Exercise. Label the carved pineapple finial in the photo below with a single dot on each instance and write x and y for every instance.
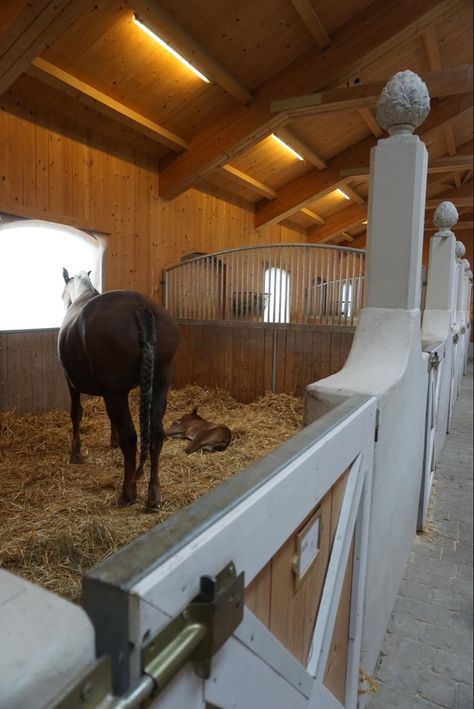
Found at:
(460, 249)
(445, 216)
(403, 104)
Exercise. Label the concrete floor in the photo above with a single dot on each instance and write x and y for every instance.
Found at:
(427, 657)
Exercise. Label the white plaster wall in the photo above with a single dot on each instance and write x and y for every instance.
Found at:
(45, 642)
(386, 360)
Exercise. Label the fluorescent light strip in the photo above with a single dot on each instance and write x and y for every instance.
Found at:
(343, 194)
(172, 51)
(293, 152)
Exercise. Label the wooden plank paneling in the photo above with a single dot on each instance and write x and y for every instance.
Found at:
(239, 357)
(32, 380)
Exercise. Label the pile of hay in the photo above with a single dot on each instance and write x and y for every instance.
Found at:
(58, 519)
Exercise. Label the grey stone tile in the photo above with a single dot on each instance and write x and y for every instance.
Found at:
(451, 665)
(408, 651)
(464, 696)
(446, 639)
(425, 612)
(437, 689)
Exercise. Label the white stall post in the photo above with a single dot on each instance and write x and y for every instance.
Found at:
(440, 315)
(386, 359)
(468, 352)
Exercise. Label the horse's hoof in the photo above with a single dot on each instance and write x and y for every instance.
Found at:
(126, 502)
(149, 509)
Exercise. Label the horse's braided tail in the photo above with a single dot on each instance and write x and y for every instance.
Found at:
(147, 334)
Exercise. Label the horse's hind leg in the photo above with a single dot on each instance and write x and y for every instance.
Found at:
(119, 414)
(114, 437)
(158, 409)
(76, 417)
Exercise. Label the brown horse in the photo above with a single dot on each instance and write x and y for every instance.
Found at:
(109, 344)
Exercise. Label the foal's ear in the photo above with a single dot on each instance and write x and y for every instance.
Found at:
(65, 275)
(89, 273)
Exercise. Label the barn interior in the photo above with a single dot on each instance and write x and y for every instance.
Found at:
(169, 131)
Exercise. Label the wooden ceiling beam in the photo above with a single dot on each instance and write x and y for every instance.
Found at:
(445, 82)
(364, 38)
(315, 184)
(249, 182)
(57, 78)
(355, 197)
(459, 226)
(301, 147)
(338, 223)
(313, 24)
(430, 42)
(312, 215)
(453, 163)
(369, 119)
(158, 21)
(33, 28)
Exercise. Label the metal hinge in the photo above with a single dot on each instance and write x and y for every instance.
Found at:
(455, 338)
(194, 636)
(433, 361)
(376, 431)
(463, 330)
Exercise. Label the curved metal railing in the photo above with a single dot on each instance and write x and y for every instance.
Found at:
(283, 283)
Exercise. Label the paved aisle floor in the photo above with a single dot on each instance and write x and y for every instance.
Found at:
(426, 659)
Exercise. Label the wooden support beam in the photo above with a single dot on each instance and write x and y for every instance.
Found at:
(453, 163)
(450, 142)
(368, 118)
(315, 184)
(337, 223)
(30, 29)
(460, 226)
(313, 24)
(446, 82)
(163, 25)
(313, 215)
(363, 39)
(54, 76)
(301, 147)
(250, 182)
(430, 41)
(459, 202)
(355, 197)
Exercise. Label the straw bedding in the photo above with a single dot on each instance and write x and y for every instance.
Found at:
(57, 519)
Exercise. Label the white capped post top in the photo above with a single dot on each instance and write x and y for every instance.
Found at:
(403, 104)
(469, 274)
(460, 249)
(466, 264)
(445, 216)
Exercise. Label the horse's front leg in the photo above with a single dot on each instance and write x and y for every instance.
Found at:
(114, 437)
(76, 417)
(121, 421)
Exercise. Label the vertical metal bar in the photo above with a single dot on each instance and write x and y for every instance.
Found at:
(353, 286)
(341, 266)
(280, 273)
(249, 255)
(328, 284)
(316, 277)
(298, 270)
(308, 284)
(288, 287)
(334, 285)
(348, 291)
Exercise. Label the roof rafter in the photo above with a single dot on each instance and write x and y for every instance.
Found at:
(452, 163)
(377, 28)
(32, 29)
(312, 22)
(301, 147)
(338, 223)
(249, 181)
(54, 76)
(316, 184)
(445, 82)
(154, 17)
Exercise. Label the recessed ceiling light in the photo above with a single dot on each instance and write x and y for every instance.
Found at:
(282, 142)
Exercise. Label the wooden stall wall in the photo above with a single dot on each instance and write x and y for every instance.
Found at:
(53, 169)
(249, 359)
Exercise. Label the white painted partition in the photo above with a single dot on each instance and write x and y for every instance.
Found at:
(133, 595)
(386, 359)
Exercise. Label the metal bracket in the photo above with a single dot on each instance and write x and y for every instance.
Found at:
(463, 330)
(199, 631)
(455, 338)
(433, 361)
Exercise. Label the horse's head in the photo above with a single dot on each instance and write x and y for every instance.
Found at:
(76, 286)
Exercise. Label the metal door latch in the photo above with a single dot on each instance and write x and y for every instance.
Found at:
(433, 362)
(455, 338)
(195, 635)
(199, 631)
(463, 330)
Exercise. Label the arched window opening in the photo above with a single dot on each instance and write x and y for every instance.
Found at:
(277, 292)
(32, 254)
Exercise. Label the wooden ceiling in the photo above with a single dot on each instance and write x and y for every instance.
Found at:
(90, 62)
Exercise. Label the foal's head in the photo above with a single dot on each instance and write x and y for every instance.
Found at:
(76, 286)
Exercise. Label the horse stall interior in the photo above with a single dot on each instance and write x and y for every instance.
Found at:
(240, 202)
